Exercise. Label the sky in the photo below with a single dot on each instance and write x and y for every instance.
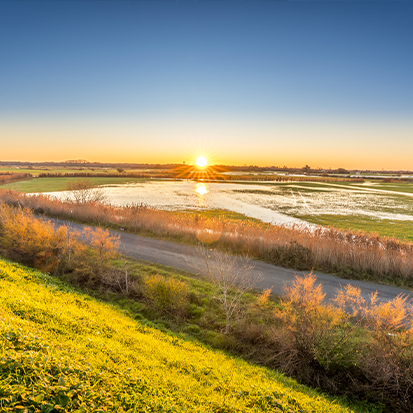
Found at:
(319, 83)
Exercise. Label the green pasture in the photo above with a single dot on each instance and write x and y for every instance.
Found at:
(60, 184)
(384, 227)
(63, 351)
(395, 187)
(36, 171)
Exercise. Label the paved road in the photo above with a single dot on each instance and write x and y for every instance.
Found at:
(180, 256)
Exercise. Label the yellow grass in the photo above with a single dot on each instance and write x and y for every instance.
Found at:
(65, 352)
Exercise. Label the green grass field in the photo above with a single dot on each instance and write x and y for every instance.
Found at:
(60, 184)
(395, 187)
(62, 351)
(384, 227)
(35, 171)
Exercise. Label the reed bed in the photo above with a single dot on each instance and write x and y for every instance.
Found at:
(351, 253)
(7, 177)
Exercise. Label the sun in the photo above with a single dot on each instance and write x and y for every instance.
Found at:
(201, 161)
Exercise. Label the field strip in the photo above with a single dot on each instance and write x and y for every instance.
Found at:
(384, 191)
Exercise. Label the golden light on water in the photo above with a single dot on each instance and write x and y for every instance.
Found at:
(206, 230)
(201, 189)
(201, 161)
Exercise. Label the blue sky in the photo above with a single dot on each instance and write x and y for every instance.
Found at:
(269, 83)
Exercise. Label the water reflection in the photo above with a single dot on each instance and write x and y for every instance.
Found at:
(201, 189)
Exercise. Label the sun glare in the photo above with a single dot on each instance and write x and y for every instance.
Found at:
(201, 161)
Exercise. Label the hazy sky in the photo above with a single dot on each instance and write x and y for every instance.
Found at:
(326, 83)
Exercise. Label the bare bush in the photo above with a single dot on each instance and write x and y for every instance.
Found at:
(117, 277)
(232, 276)
(83, 191)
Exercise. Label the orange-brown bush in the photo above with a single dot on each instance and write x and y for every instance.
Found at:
(385, 355)
(263, 299)
(30, 241)
(37, 243)
(326, 249)
(311, 338)
(362, 347)
(91, 262)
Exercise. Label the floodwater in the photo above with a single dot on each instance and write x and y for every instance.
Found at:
(276, 203)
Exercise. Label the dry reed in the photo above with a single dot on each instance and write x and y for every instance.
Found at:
(352, 253)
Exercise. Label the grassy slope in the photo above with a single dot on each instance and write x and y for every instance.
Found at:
(63, 351)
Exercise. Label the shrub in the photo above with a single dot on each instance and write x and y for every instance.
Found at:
(92, 264)
(386, 352)
(311, 337)
(168, 294)
(263, 299)
(31, 241)
(83, 191)
(36, 243)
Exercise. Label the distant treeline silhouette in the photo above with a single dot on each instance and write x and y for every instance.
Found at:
(289, 178)
(283, 178)
(94, 175)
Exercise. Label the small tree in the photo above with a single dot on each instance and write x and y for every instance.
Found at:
(233, 277)
(83, 191)
(342, 171)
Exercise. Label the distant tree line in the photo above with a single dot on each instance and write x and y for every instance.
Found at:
(93, 174)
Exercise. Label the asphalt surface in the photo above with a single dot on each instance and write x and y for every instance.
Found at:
(185, 257)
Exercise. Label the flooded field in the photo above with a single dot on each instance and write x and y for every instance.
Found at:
(279, 203)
